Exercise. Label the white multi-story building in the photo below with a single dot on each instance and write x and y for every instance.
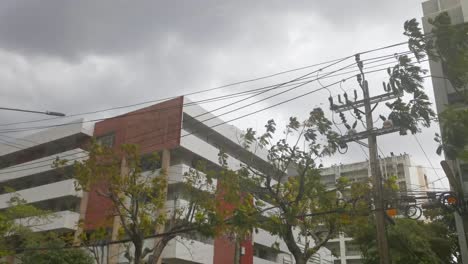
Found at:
(26, 167)
(409, 177)
(182, 132)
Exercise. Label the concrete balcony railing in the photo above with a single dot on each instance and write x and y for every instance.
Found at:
(258, 260)
(205, 150)
(40, 165)
(64, 220)
(264, 238)
(181, 250)
(43, 193)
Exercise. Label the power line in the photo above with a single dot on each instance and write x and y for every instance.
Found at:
(427, 157)
(188, 94)
(325, 87)
(208, 90)
(22, 129)
(251, 113)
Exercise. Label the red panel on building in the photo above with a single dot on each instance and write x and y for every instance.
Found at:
(224, 246)
(153, 128)
(224, 250)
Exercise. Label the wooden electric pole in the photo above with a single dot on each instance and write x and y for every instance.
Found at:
(377, 179)
(369, 103)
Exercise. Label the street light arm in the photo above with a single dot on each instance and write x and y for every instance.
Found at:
(31, 111)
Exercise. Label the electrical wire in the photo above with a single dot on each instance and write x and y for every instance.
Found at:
(279, 103)
(211, 89)
(428, 160)
(22, 129)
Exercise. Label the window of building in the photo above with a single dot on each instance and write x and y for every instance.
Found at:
(352, 249)
(464, 172)
(454, 98)
(106, 140)
(150, 162)
(264, 252)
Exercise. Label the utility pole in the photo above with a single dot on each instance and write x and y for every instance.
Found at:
(371, 135)
(377, 178)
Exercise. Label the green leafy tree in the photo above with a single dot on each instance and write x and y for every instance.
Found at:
(285, 198)
(17, 222)
(52, 249)
(447, 44)
(410, 241)
(138, 198)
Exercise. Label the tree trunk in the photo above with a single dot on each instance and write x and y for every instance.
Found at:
(237, 252)
(300, 260)
(138, 251)
(290, 241)
(158, 249)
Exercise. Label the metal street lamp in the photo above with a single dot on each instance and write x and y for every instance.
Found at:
(36, 112)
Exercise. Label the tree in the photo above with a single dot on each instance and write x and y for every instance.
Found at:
(17, 222)
(17, 236)
(447, 44)
(454, 131)
(410, 241)
(137, 190)
(53, 250)
(299, 209)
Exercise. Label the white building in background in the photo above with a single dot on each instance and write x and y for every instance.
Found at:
(26, 167)
(170, 127)
(410, 177)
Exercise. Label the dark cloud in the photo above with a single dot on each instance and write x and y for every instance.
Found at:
(78, 56)
(72, 29)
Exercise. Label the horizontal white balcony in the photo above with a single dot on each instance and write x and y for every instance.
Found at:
(193, 251)
(257, 260)
(205, 150)
(43, 193)
(177, 175)
(264, 238)
(41, 165)
(338, 239)
(354, 255)
(75, 127)
(64, 220)
(228, 131)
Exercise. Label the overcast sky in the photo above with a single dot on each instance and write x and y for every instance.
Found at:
(79, 56)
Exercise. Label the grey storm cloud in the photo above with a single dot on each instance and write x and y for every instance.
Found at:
(76, 28)
(85, 55)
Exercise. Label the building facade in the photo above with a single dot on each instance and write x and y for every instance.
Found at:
(409, 177)
(183, 133)
(26, 166)
(445, 95)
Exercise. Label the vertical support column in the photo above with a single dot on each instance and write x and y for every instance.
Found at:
(79, 230)
(461, 225)
(165, 165)
(454, 174)
(114, 249)
(342, 248)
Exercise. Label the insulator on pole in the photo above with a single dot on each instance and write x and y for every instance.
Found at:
(339, 99)
(355, 95)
